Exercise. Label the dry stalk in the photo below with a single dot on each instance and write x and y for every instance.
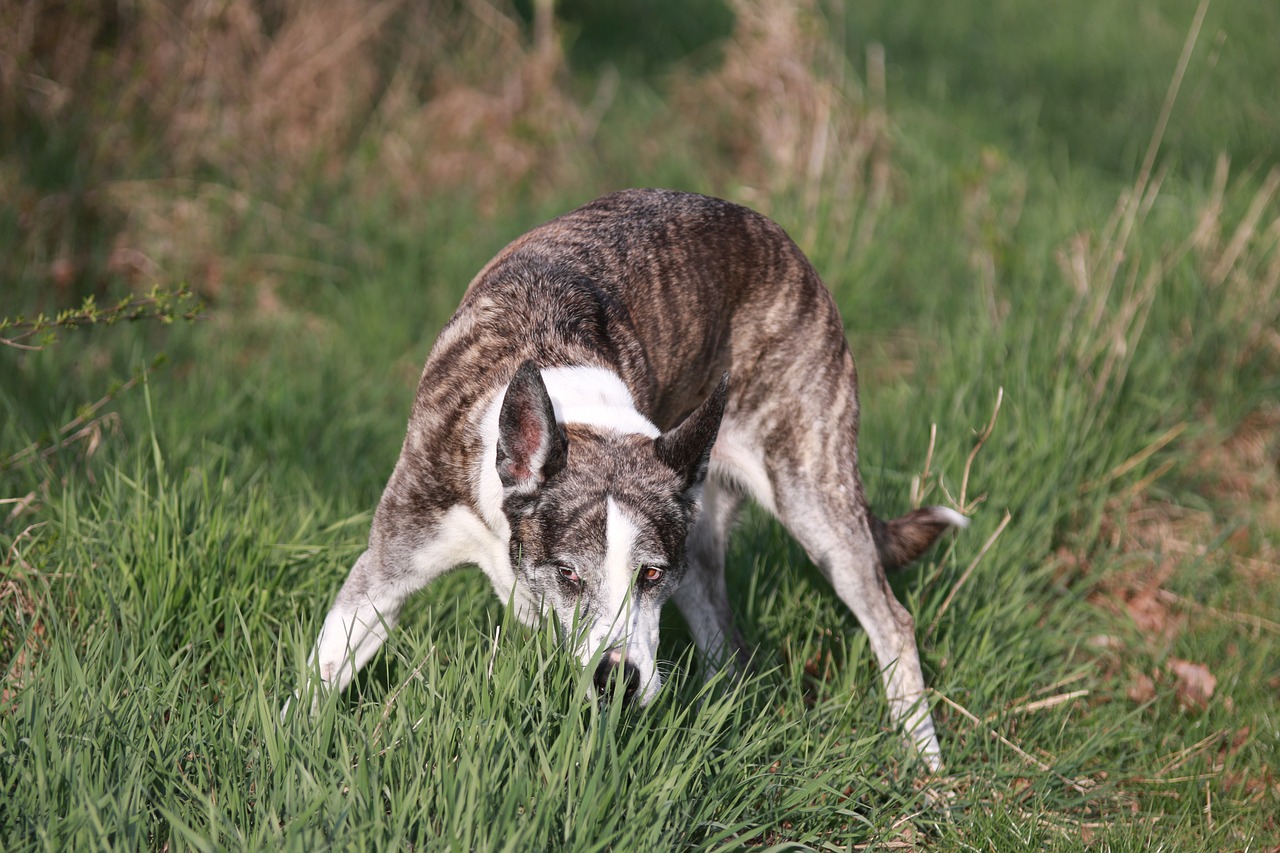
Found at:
(1258, 623)
(1042, 704)
(1166, 109)
(1246, 231)
(391, 701)
(1176, 759)
(493, 654)
(20, 505)
(1142, 485)
(965, 576)
(920, 486)
(1049, 688)
(1077, 785)
(799, 128)
(967, 509)
(1136, 459)
(1106, 337)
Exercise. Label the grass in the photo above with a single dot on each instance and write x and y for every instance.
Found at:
(1101, 643)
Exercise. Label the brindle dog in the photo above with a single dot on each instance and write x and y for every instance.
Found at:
(614, 384)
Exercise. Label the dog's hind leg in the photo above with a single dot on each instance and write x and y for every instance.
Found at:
(834, 528)
(702, 597)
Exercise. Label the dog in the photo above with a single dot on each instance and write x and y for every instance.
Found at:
(613, 386)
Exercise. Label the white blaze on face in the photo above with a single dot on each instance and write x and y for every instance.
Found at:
(618, 618)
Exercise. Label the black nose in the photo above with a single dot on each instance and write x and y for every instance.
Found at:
(604, 677)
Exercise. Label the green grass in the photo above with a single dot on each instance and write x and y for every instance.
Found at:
(158, 597)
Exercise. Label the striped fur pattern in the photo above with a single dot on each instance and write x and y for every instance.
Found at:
(613, 386)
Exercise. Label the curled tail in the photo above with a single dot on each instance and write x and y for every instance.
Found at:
(902, 540)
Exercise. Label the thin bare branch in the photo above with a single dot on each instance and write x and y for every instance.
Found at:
(1023, 754)
(1249, 619)
(933, 626)
(982, 439)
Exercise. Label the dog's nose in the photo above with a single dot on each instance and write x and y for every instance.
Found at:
(604, 677)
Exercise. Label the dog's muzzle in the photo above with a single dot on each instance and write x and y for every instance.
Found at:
(606, 671)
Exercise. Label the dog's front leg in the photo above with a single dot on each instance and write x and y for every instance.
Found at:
(702, 597)
(366, 609)
(363, 614)
(385, 576)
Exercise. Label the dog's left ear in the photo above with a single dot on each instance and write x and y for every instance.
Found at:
(686, 449)
(531, 446)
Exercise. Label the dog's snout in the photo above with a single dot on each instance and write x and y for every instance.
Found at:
(605, 673)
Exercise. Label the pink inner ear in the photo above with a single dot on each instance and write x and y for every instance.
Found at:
(528, 440)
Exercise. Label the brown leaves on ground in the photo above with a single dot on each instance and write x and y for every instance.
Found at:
(1141, 689)
(1191, 683)
(1195, 683)
(1137, 595)
(1241, 476)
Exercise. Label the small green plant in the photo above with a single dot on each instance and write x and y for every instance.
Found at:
(159, 304)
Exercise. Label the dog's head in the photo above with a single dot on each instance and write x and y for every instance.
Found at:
(598, 524)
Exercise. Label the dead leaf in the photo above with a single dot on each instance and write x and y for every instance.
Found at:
(1150, 613)
(1195, 683)
(1142, 689)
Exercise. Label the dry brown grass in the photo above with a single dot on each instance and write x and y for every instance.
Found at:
(493, 128)
(188, 116)
(1158, 544)
(793, 124)
(197, 124)
(1161, 544)
(268, 95)
(1242, 268)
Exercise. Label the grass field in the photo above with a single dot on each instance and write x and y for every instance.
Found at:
(1063, 328)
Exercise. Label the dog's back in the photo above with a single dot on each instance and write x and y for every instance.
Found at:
(671, 289)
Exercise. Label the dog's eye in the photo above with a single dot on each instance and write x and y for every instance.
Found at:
(651, 574)
(568, 574)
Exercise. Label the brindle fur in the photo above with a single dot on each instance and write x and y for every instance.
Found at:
(669, 291)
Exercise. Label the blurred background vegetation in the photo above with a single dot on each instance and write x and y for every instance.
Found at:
(164, 141)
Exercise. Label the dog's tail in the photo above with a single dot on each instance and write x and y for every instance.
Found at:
(902, 540)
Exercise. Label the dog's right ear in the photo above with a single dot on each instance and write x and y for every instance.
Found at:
(686, 449)
(531, 446)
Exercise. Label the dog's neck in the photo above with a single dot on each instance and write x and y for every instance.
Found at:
(590, 396)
